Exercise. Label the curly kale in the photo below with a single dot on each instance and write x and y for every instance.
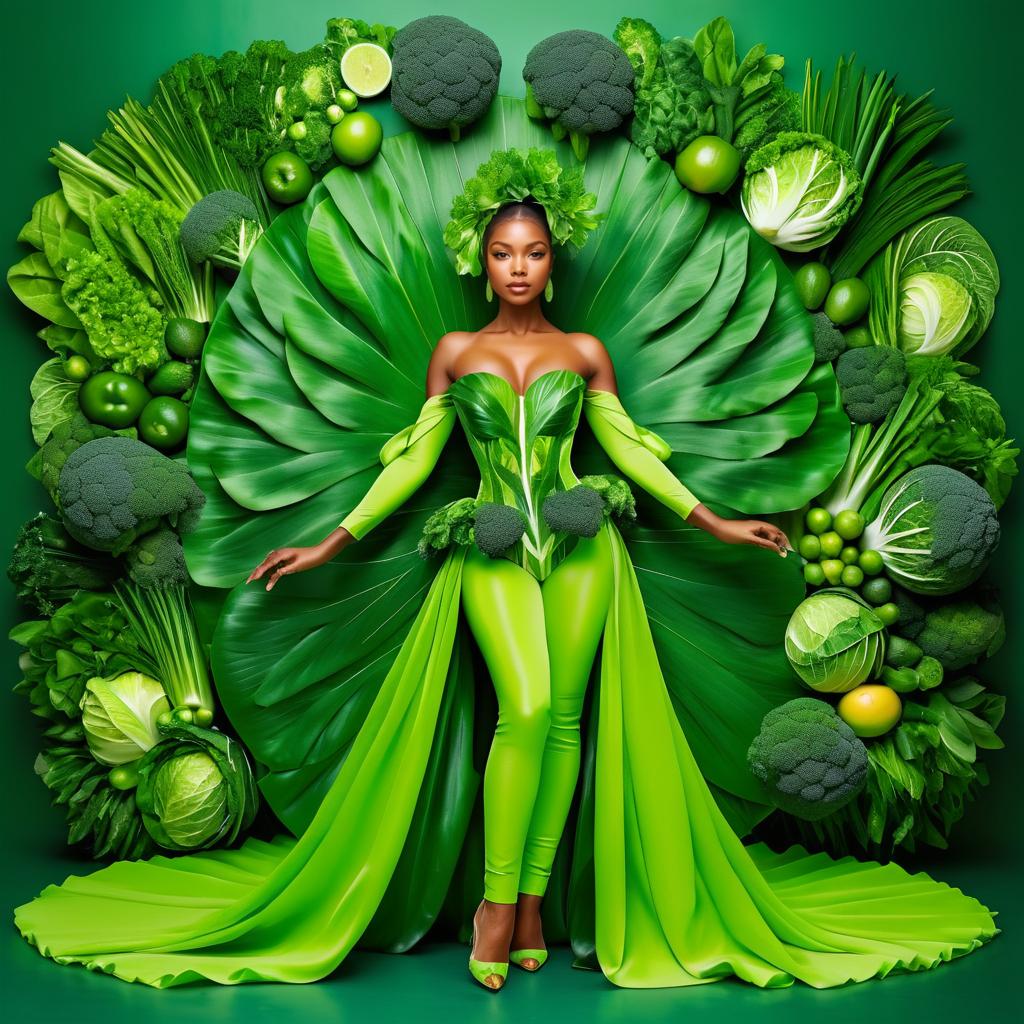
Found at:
(450, 524)
(222, 228)
(114, 489)
(809, 758)
(872, 382)
(497, 527)
(582, 82)
(48, 565)
(444, 73)
(829, 342)
(619, 502)
(157, 559)
(578, 511)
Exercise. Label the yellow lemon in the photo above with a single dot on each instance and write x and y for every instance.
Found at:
(870, 709)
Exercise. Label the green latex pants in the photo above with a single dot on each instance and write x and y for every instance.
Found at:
(538, 639)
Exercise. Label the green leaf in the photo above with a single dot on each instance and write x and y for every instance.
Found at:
(37, 286)
(54, 398)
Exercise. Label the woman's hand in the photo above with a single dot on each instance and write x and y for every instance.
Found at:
(285, 561)
(753, 531)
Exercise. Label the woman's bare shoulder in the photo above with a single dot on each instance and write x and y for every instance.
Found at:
(597, 358)
(441, 359)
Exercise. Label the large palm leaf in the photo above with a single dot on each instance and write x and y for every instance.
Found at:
(319, 355)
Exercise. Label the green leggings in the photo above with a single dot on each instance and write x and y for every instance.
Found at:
(534, 759)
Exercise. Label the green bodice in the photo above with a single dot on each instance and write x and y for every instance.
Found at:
(522, 445)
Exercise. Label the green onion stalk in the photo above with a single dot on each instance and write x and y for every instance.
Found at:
(164, 626)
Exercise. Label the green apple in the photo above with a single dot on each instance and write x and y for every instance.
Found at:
(286, 177)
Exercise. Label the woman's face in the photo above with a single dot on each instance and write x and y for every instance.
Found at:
(518, 260)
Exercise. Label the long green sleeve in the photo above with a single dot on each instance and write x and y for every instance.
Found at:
(638, 452)
(408, 459)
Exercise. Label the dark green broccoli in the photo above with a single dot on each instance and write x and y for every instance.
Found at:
(444, 73)
(450, 524)
(222, 228)
(582, 82)
(48, 565)
(829, 342)
(315, 145)
(114, 489)
(618, 497)
(497, 527)
(49, 460)
(956, 633)
(872, 381)
(578, 510)
(157, 559)
(809, 758)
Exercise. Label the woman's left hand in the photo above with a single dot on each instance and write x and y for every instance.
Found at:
(753, 531)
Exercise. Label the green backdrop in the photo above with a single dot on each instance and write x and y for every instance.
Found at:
(67, 63)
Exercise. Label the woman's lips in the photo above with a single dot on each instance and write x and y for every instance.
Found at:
(520, 287)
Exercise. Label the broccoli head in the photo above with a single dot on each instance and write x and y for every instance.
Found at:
(114, 489)
(444, 73)
(829, 342)
(582, 82)
(872, 381)
(48, 565)
(222, 228)
(809, 758)
(497, 527)
(578, 510)
(157, 559)
(450, 524)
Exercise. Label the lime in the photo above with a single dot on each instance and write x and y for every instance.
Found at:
(809, 547)
(852, 576)
(124, 776)
(813, 574)
(812, 282)
(77, 368)
(870, 561)
(858, 337)
(849, 524)
(847, 301)
(831, 544)
(164, 423)
(849, 555)
(356, 138)
(366, 69)
(708, 164)
(870, 709)
(889, 613)
(818, 520)
(833, 569)
(877, 591)
(184, 338)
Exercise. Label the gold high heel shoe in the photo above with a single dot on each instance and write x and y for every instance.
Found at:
(490, 973)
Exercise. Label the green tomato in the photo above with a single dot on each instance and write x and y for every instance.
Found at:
(286, 177)
(814, 574)
(870, 561)
(833, 569)
(347, 99)
(123, 776)
(812, 282)
(818, 520)
(203, 716)
(356, 138)
(847, 301)
(849, 524)
(858, 337)
(877, 591)
(164, 423)
(334, 113)
(113, 399)
(889, 613)
(297, 131)
(77, 368)
(849, 555)
(831, 544)
(809, 547)
(852, 576)
(708, 164)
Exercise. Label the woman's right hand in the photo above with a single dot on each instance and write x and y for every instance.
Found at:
(284, 561)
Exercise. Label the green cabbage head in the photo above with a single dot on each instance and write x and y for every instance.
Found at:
(119, 716)
(834, 640)
(191, 799)
(935, 313)
(799, 191)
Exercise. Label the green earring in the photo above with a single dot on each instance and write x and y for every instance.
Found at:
(489, 291)
(549, 290)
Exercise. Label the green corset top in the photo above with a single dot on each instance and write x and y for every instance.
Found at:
(522, 444)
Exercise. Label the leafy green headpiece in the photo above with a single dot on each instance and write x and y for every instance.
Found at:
(511, 175)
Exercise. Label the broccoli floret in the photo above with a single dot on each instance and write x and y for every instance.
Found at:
(312, 80)
(315, 146)
(582, 82)
(618, 497)
(47, 565)
(114, 489)
(450, 524)
(956, 633)
(157, 559)
(222, 228)
(872, 381)
(809, 758)
(829, 342)
(68, 435)
(444, 73)
(578, 510)
(497, 527)
(342, 33)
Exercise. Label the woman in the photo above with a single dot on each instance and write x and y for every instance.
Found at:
(537, 567)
